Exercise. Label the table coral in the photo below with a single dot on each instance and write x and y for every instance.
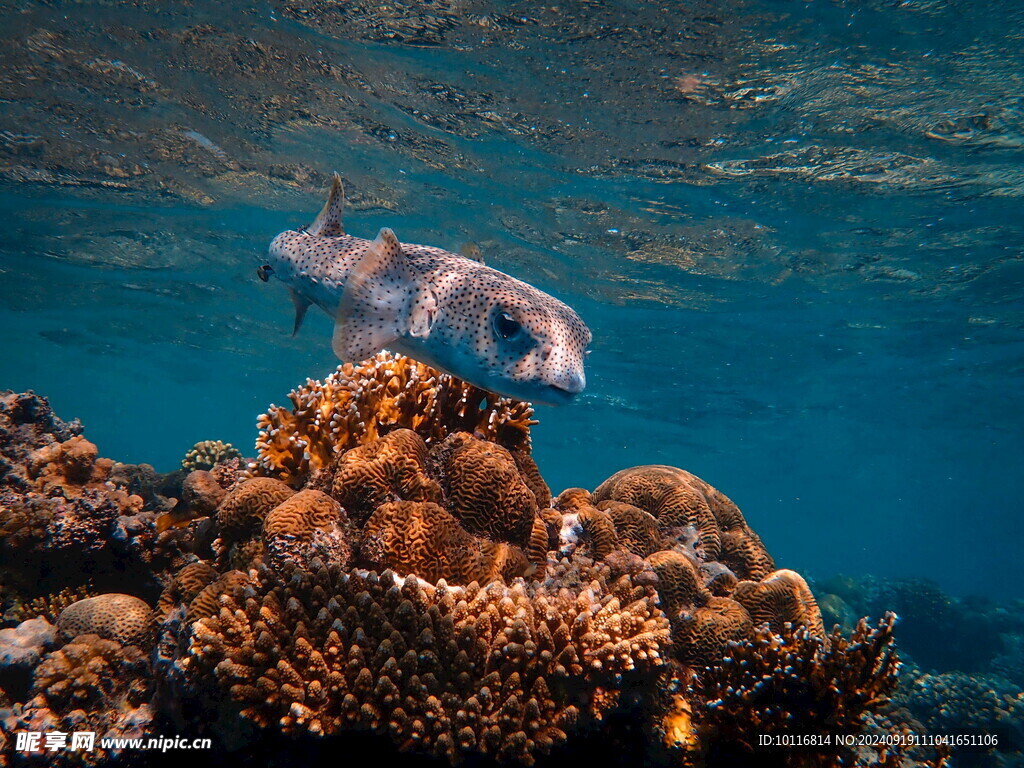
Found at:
(360, 403)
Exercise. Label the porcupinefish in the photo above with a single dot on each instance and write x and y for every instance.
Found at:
(440, 308)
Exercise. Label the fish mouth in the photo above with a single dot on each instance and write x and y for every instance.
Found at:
(552, 394)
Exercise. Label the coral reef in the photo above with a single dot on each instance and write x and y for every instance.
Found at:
(358, 404)
(207, 454)
(398, 567)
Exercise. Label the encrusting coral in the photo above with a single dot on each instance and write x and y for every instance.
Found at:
(398, 566)
(360, 403)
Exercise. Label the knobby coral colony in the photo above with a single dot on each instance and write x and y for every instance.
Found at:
(393, 562)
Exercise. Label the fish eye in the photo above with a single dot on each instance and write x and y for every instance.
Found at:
(506, 326)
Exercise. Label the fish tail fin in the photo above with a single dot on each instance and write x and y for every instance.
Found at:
(372, 309)
(328, 222)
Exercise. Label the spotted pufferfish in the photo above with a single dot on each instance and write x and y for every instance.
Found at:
(455, 314)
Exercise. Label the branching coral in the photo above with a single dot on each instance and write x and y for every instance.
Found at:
(207, 454)
(507, 671)
(358, 404)
(786, 683)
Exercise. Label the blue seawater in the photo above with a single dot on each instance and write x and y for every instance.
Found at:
(794, 227)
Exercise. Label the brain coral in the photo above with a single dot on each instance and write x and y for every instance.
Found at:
(507, 671)
(305, 526)
(780, 597)
(122, 618)
(423, 539)
(483, 488)
(388, 469)
(240, 518)
(359, 403)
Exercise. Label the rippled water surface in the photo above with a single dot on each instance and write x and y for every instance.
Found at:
(794, 228)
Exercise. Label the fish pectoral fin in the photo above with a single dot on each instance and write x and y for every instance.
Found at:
(422, 313)
(301, 304)
(328, 222)
(371, 312)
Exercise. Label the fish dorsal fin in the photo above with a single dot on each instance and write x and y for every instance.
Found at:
(328, 222)
(301, 304)
(371, 313)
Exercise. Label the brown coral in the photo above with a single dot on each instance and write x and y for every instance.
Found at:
(305, 526)
(703, 634)
(503, 671)
(675, 497)
(207, 601)
(124, 619)
(187, 583)
(636, 530)
(423, 539)
(781, 597)
(483, 488)
(679, 582)
(389, 469)
(359, 403)
(240, 518)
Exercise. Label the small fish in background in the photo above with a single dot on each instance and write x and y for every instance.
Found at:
(446, 310)
(472, 252)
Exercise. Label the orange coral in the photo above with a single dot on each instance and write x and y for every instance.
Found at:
(240, 518)
(679, 582)
(188, 582)
(423, 539)
(359, 403)
(636, 530)
(393, 467)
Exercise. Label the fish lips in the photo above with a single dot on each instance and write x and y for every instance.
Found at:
(554, 395)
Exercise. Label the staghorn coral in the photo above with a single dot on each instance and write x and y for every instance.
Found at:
(305, 526)
(791, 682)
(483, 488)
(124, 619)
(423, 539)
(506, 671)
(389, 469)
(359, 403)
(207, 454)
(781, 597)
